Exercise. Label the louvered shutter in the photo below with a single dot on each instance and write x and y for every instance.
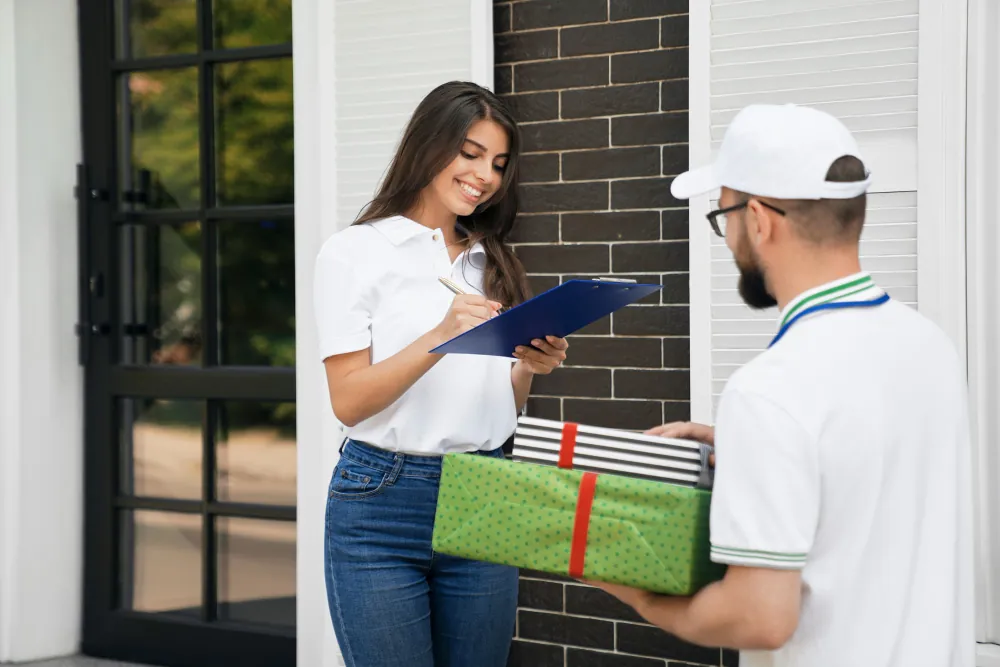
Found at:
(856, 59)
(388, 56)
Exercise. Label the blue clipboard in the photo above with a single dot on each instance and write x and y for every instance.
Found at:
(556, 312)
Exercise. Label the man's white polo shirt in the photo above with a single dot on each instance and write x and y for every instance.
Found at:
(376, 285)
(843, 451)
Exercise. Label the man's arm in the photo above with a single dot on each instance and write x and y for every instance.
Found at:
(750, 608)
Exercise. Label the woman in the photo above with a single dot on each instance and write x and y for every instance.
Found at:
(445, 209)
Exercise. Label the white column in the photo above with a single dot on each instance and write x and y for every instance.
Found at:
(41, 431)
(318, 433)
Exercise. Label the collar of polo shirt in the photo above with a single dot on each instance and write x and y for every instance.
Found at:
(399, 229)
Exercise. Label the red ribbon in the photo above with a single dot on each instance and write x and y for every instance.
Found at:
(567, 445)
(581, 524)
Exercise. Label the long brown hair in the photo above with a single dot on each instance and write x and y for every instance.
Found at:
(432, 139)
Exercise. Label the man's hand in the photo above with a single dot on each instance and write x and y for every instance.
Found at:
(633, 597)
(687, 431)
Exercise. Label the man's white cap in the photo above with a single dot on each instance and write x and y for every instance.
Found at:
(780, 151)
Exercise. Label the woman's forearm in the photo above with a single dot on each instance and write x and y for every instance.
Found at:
(368, 390)
(520, 380)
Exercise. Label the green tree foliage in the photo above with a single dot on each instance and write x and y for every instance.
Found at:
(253, 164)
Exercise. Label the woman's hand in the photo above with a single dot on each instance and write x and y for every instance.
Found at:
(467, 311)
(687, 431)
(544, 355)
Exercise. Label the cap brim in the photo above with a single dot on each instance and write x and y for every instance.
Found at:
(695, 182)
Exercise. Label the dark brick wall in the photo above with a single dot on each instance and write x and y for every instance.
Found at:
(600, 89)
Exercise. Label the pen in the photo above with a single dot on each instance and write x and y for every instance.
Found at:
(453, 286)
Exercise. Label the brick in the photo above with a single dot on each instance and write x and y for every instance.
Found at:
(730, 658)
(612, 226)
(541, 284)
(545, 576)
(647, 640)
(637, 9)
(501, 17)
(640, 193)
(649, 66)
(564, 197)
(676, 352)
(655, 384)
(675, 159)
(673, 31)
(611, 163)
(551, 13)
(560, 74)
(532, 107)
(610, 100)
(535, 229)
(675, 224)
(652, 321)
(565, 135)
(635, 415)
(544, 408)
(503, 79)
(539, 168)
(568, 381)
(676, 411)
(530, 654)
(674, 95)
(565, 258)
(631, 352)
(609, 38)
(660, 256)
(544, 595)
(661, 128)
(676, 289)
(518, 46)
(589, 601)
(559, 629)
(578, 657)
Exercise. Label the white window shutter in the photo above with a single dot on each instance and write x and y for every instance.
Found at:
(856, 59)
(388, 57)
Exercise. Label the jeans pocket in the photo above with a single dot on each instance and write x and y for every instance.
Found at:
(354, 481)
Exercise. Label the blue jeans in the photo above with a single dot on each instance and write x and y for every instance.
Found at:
(394, 601)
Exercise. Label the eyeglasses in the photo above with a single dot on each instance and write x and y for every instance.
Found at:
(717, 218)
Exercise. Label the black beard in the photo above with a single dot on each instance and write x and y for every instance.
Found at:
(753, 289)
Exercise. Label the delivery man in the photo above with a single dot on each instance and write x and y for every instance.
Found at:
(843, 493)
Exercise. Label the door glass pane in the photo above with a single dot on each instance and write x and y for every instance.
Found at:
(161, 446)
(161, 294)
(253, 137)
(243, 23)
(161, 562)
(255, 453)
(256, 571)
(149, 28)
(257, 293)
(158, 139)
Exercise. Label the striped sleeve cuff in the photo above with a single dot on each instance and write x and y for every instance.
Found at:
(754, 558)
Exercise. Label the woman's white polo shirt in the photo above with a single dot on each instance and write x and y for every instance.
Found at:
(376, 285)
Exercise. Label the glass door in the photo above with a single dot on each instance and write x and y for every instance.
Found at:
(187, 331)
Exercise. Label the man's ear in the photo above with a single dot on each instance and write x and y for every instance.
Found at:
(760, 226)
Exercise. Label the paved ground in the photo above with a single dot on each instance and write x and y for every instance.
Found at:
(78, 661)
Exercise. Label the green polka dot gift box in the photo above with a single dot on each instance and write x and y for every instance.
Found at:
(621, 529)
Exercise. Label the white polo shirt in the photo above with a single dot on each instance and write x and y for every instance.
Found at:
(843, 451)
(376, 285)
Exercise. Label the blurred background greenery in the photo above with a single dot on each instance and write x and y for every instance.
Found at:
(251, 165)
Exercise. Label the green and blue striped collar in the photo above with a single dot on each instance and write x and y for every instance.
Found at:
(857, 287)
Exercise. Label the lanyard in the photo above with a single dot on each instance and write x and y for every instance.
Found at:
(878, 301)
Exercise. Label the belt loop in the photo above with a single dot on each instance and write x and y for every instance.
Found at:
(343, 443)
(396, 469)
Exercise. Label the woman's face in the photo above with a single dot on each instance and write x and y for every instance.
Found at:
(476, 172)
